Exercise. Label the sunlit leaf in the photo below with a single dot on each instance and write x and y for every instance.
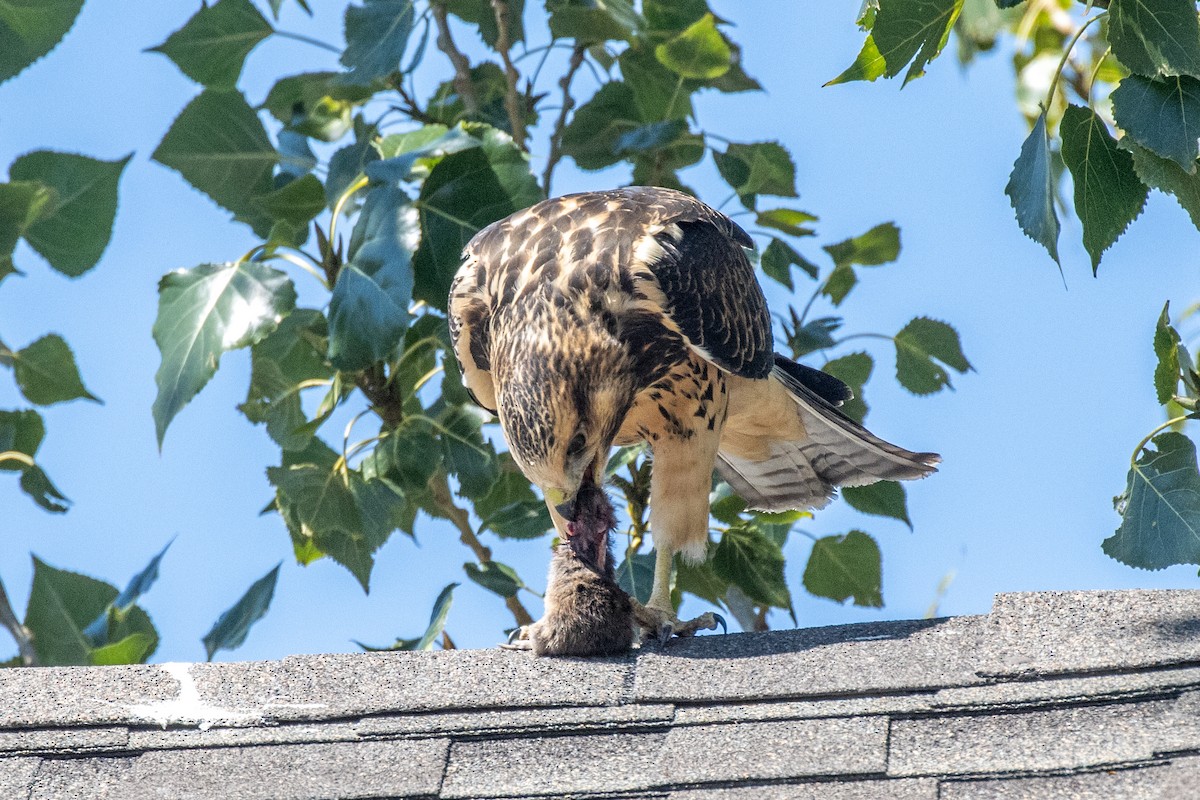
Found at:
(1155, 37)
(699, 51)
(868, 66)
(788, 220)
(202, 313)
(229, 631)
(843, 567)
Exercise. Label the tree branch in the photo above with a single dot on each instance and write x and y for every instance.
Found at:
(568, 103)
(512, 97)
(462, 66)
(462, 520)
(23, 635)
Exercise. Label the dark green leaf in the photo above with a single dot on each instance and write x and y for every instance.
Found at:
(21, 203)
(669, 16)
(278, 4)
(1162, 115)
(597, 21)
(230, 629)
(654, 136)
(212, 46)
(701, 580)
(219, 146)
(854, 370)
(73, 229)
(736, 79)
(316, 104)
(758, 168)
(205, 311)
(21, 432)
(749, 560)
(437, 623)
(1160, 508)
(842, 567)
(338, 512)
(788, 220)
(839, 283)
(36, 483)
(376, 36)
(297, 202)
(293, 355)
(913, 31)
(1031, 189)
(29, 29)
(883, 499)
(1155, 37)
(1165, 175)
(1166, 350)
(816, 334)
(636, 575)
(464, 192)
(1108, 194)
(46, 372)
(700, 51)
(725, 506)
(880, 245)
(779, 257)
(349, 162)
(596, 127)
(923, 346)
(482, 15)
(468, 456)
(409, 456)
(99, 629)
(495, 577)
(368, 312)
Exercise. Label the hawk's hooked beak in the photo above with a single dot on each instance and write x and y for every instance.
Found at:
(564, 505)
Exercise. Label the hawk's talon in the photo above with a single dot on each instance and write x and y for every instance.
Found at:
(663, 625)
(518, 639)
(720, 621)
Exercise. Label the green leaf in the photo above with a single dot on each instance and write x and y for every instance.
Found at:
(1160, 508)
(1166, 350)
(338, 512)
(294, 354)
(669, 16)
(409, 456)
(72, 229)
(779, 257)
(596, 127)
(29, 29)
(923, 346)
(758, 168)
(700, 51)
(219, 146)
(1155, 37)
(495, 577)
(788, 220)
(376, 36)
(21, 432)
(437, 623)
(658, 93)
(594, 22)
(854, 370)
(36, 483)
(229, 631)
(204, 312)
(316, 104)
(749, 560)
(482, 15)
(467, 455)
(21, 203)
(1031, 189)
(348, 163)
(841, 567)
(278, 4)
(368, 312)
(654, 136)
(913, 31)
(816, 334)
(1162, 115)
(868, 66)
(100, 629)
(1165, 175)
(211, 48)
(297, 202)
(133, 649)
(880, 245)
(464, 192)
(883, 499)
(46, 372)
(1108, 194)
(636, 575)
(701, 580)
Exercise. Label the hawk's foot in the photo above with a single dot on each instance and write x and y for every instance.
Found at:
(656, 623)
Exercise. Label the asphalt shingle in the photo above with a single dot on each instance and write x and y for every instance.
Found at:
(16, 775)
(897, 789)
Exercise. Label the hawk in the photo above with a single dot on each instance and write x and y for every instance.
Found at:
(634, 315)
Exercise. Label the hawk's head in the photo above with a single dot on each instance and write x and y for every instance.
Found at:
(560, 420)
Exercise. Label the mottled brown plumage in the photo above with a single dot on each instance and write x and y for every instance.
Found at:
(634, 315)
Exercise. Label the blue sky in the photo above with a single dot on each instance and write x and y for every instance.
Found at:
(1035, 443)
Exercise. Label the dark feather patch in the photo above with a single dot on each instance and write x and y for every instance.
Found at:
(823, 384)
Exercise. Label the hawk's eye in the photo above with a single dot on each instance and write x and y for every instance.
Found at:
(576, 445)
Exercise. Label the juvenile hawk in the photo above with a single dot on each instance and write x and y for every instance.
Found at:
(633, 315)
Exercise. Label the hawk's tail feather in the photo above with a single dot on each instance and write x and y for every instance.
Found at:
(836, 452)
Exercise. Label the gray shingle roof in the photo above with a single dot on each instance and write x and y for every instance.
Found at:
(1055, 695)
